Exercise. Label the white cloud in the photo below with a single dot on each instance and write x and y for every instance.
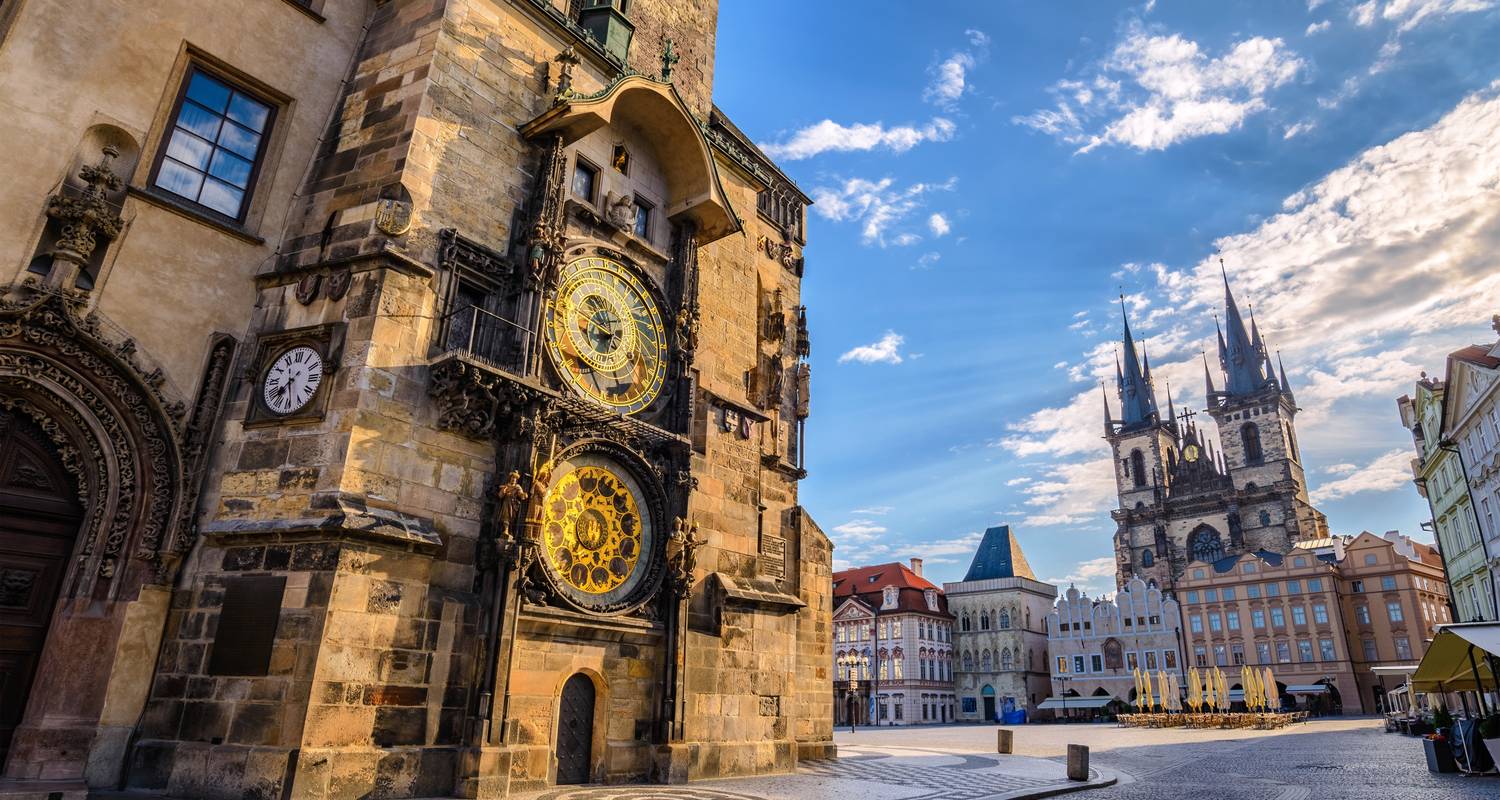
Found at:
(928, 261)
(876, 204)
(858, 530)
(1408, 14)
(949, 80)
(1154, 91)
(1293, 131)
(878, 511)
(829, 136)
(885, 351)
(1095, 576)
(1018, 481)
(950, 77)
(1390, 471)
(939, 225)
(1363, 14)
(1312, 5)
(1365, 277)
(1317, 27)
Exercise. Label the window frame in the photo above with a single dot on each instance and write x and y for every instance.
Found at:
(274, 108)
(581, 160)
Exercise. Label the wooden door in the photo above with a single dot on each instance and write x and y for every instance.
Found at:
(39, 518)
(575, 730)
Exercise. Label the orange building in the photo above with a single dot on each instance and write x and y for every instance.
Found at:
(1321, 616)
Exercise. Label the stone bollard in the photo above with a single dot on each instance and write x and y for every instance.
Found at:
(1003, 740)
(1078, 762)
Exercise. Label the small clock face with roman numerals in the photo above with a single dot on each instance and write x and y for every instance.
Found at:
(292, 380)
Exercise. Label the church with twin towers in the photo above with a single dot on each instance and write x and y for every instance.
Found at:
(1190, 495)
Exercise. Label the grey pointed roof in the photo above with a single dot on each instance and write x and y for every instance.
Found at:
(1240, 355)
(1137, 396)
(999, 556)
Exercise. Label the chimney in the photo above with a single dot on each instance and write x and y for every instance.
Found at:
(916, 566)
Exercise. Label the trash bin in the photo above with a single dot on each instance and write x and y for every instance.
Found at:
(1439, 755)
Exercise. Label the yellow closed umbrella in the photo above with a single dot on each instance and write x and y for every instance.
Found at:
(1139, 695)
(1195, 690)
(1252, 684)
(1146, 685)
(1223, 690)
(1161, 689)
(1210, 702)
(1273, 694)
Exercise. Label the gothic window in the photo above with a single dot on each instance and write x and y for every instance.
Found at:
(1147, 559)
(984, 621)
(1028, 619)
(966, 624)
(985, 664)
(1004, 620)
(1265, 517)
(968, 661)
(212, 155)
(1204, 545)
(1250, 438)
(1291, 440)
(1005, 660)
(1138, 467)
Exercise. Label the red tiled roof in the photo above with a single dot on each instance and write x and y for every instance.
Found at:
(869, 583)
(1476, 354)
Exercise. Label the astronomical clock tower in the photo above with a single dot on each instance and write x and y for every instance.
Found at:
(506, 492)
(1189, 496)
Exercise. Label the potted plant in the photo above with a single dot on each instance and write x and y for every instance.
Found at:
(1439, 753)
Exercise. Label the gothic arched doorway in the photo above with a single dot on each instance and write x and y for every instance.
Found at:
(39, 518)
(575, 730)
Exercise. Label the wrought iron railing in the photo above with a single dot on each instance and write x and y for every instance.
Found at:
(488, 336)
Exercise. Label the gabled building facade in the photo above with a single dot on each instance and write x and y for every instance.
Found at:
(1471, 429)
(1095, 646)
(1000, 610)
(1439, 476)
(898, 623)
(1187, 497)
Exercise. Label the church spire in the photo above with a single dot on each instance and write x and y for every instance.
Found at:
(1240, 355)
(1172, 411)
(1208, 379)
(1285, 386)
(1108, 418)
(1137, 406)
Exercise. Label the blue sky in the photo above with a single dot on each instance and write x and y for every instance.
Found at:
(991, 176)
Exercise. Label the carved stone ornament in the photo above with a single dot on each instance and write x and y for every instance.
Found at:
(307, 288)
(116, 429)
(466, 397)
(337, 284)
(669, 59)
(392, 216)
(87, 216)
(682, 556)
(566, 61)
(620, 211)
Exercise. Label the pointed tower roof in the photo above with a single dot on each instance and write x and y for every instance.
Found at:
(999, 556)
(1239, 354)
(1108, 417)
(1285, 385)
(1208, 377)
(1137, 405)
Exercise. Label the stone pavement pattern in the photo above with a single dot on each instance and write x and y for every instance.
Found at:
(869, 772)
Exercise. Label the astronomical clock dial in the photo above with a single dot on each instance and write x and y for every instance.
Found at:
(292, 381)
(605, 334)
(597, 532)
(1190, 452)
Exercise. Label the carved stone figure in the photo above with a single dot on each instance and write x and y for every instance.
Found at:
(511, 497)
(621, 211)
(567, 60)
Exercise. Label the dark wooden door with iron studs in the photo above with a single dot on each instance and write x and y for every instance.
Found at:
(575, 730)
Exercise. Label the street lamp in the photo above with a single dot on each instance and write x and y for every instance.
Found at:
(852, 663)
(1063, 679)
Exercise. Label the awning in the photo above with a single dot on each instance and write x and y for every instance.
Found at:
(1395, 669)
(1307, 688)
(1447, 665)
(1058, 703)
